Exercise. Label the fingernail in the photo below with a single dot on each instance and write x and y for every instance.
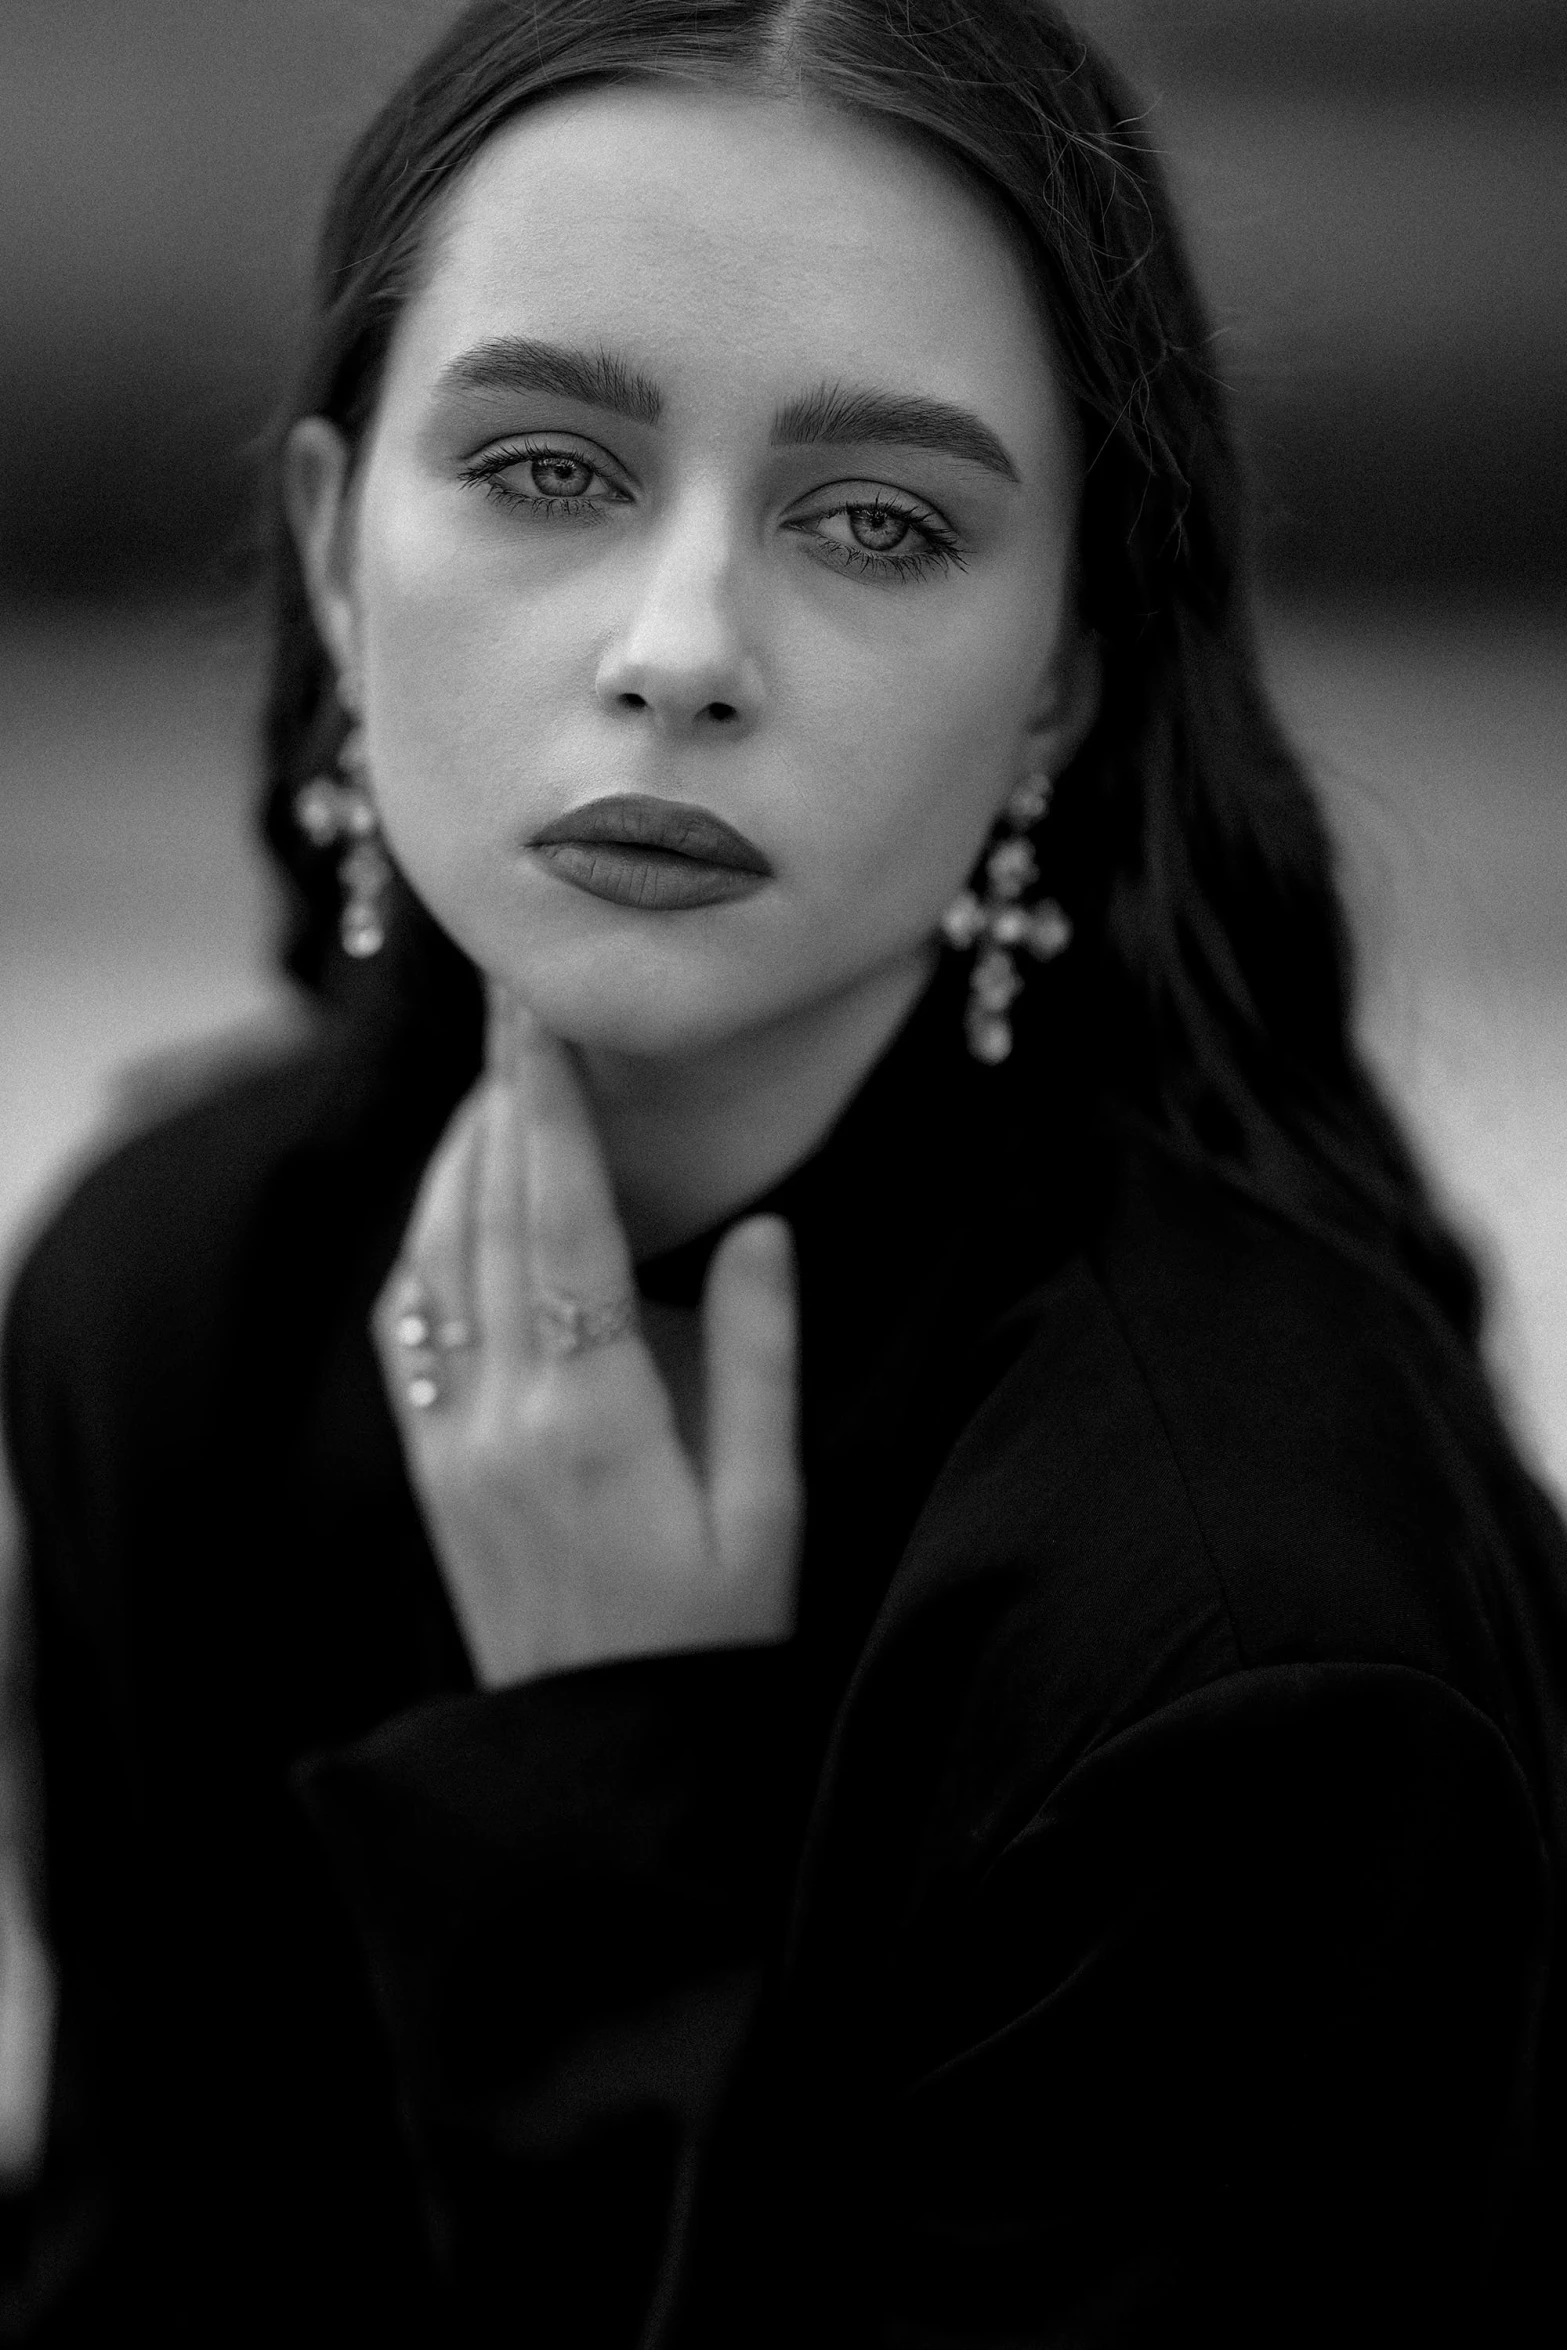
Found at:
(771, 1244)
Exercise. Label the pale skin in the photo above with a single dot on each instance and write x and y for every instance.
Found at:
(707, 625)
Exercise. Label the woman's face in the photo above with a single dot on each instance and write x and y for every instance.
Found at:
(715, 567)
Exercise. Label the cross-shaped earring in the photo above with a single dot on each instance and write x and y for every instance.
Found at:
(337, 809)
(999, 926)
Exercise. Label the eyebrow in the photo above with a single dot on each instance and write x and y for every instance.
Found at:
(835, 414)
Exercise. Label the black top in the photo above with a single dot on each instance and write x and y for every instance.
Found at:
(1125, 1913)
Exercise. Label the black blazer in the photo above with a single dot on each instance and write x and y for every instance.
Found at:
(1126, 1912)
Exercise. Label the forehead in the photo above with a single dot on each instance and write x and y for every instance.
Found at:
(742, 242)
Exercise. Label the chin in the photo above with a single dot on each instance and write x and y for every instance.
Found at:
(667, 1015)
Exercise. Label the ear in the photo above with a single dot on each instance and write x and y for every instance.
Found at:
(1069, 701)
(319, 507)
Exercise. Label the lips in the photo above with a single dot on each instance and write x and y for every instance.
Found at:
(656, 855)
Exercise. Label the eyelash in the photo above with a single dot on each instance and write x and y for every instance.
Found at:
(940, 552)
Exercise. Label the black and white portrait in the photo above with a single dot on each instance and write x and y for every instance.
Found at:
(783, 1171)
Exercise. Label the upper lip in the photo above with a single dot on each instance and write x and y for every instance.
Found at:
(638, 822)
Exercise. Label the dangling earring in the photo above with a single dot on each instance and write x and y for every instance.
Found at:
(999, 924)
(329, 810)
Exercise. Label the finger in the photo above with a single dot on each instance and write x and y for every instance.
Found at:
(750, 1332)
(425, 1312)
(438, 1245)
(502, 1273)
(576, 1245)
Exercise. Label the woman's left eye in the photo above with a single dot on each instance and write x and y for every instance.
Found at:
(548, 482)
(886, 540)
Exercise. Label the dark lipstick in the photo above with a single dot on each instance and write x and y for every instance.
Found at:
(656, 855)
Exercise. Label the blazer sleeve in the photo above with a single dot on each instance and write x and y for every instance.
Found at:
(564, 1892)
(1237, 2033)
(1236, 2039)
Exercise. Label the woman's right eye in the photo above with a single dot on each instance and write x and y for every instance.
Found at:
(547, 480)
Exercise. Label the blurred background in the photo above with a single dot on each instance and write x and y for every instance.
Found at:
(1378, 198)
(1377, 191)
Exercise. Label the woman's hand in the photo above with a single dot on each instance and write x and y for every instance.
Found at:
(569, 1522)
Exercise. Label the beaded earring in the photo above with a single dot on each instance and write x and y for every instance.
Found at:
(998, 925)
(329, 811)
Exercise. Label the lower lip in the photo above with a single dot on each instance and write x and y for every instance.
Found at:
(655, 881)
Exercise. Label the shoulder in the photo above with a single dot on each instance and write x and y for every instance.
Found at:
(1219, 1445)
(121, 1297)
(171, 1190)
(1332, 1439)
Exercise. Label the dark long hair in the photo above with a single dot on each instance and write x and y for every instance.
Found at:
(1209, 988)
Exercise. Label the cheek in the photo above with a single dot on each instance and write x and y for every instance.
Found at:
(918, 749)
(454, 679)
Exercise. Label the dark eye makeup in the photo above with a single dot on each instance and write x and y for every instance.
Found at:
(938, 550)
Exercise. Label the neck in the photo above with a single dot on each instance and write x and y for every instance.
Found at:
(689, 1140)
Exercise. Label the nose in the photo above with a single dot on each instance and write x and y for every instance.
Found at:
(679, 651)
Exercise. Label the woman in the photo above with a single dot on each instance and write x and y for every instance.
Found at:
(806, 900)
